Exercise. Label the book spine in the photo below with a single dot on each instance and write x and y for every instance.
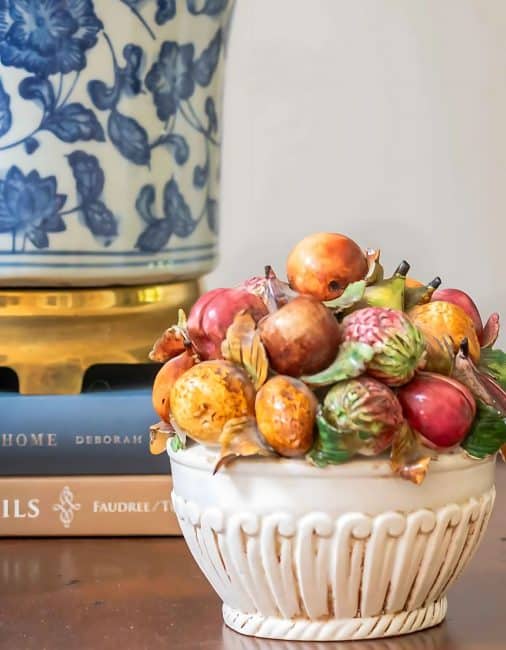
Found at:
(111, 461)
(87, 506)
(80, 435)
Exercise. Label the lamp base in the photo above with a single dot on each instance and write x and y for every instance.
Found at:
(50, 337)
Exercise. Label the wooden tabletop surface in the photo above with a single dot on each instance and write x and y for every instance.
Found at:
(148, 594)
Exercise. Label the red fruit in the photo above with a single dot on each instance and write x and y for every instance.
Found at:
(465, 302)
(301, 338)
(441, 409)
(212, 315)
(322, 265)
(167, 376)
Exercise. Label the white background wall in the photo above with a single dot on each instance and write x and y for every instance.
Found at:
(381, 119)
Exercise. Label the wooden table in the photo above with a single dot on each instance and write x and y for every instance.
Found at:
(147, 594)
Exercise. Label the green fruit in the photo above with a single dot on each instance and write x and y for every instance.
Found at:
(359, 416)
(420, 295)
(388, 292)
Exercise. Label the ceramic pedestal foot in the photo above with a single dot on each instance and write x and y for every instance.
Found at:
(335, 629)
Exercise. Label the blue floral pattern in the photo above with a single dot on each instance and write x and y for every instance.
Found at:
(30, 205)
(49, 40)
(47, 36)
(5, 111)
(170, 79)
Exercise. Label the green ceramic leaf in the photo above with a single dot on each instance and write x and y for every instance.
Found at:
(353, 293)
(494, 362)
(488, 433)
(331, 447)
(350, 362)
(176, 444)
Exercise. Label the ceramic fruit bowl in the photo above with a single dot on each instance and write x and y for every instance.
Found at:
(350, 551)
(333, 441)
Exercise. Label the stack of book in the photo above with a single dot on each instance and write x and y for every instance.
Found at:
(80, 464)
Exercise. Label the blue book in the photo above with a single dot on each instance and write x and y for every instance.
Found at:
(101, 432)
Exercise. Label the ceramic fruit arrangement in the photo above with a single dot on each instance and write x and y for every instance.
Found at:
(336, 363)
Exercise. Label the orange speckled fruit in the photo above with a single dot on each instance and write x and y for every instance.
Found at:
(286, 412)
(207, 396)
(440, 319)
(165, 379)
(322, 265)
(411, 283)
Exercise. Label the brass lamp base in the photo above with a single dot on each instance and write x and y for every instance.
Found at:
(50, 337)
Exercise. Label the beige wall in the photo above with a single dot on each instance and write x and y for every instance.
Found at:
(382, 119)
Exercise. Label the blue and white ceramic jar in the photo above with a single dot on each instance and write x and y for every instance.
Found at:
(110, 135)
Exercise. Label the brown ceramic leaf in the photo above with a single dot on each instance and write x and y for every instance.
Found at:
(158, 436)
(172, 342)
(408, 458)
(277, 292)
(375, 271)
(240, 438)
(482, 385)
(243, 346)
(440, 354)
(272, 291)
(490, 331)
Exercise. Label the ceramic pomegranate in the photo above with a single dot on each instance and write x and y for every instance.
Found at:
(322, 265)
(285, 411)
(300, 338)
(212, 315)
(440, 409)
(207, 396)
(398, 345)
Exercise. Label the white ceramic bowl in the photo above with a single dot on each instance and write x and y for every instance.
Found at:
(348, 552)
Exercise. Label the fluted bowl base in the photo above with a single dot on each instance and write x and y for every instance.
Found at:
(350, 551)
(336, 629)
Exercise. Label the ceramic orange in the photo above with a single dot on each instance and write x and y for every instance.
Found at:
(411, 283)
